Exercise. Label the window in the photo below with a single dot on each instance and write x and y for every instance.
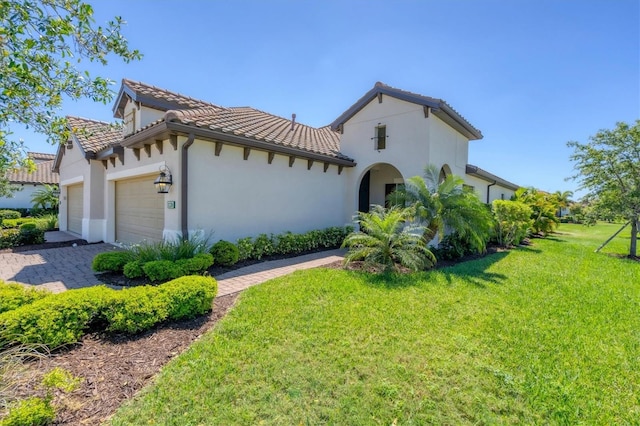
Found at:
(468, 188)
(381, 137)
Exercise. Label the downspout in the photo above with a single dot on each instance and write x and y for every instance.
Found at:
(184, 174)
(488, 189)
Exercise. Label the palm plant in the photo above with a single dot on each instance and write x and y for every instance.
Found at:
(385, 240)
(47, 196)
(543, 207)
(444, 205)
(562, 199)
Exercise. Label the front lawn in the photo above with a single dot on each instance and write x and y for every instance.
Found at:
(546, 334)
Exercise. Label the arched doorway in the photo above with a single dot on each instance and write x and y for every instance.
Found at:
(378, 181)
(444, 172)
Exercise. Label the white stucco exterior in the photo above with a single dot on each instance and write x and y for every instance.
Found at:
(235, 190)
(21, 198)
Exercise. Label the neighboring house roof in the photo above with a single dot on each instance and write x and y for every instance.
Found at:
(489, 177)
(153, 97)
(438, 106)
(40, 156)
(43, 174)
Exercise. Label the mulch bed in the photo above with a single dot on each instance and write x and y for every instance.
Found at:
(114, 368)
(44, 246)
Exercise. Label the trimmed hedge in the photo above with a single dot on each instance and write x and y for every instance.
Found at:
(225, 253)
(290, 243)
(111, 261)
(12, 296)
(65, 317)
(9, 214)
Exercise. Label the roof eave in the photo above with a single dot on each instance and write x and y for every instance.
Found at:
(489, 177)
(139, 139)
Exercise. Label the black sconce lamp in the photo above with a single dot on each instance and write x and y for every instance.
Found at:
(163, 182)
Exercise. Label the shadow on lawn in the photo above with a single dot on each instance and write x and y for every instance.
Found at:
(475, 272)
(471, 271)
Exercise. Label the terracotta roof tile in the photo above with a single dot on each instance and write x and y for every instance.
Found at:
(262, 126)
(40, 156)
(42, 174)
(94, 135)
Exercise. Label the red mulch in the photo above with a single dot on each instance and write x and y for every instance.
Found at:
(114, 368)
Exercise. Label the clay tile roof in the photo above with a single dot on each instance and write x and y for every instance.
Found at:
(42, 174)
(255, 124)
(94, 135)
(40, 156)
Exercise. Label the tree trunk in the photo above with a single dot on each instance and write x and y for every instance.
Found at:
(634, 238)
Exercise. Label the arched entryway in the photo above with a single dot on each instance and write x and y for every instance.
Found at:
(378, 181)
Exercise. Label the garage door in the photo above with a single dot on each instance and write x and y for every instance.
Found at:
(139, 210)
(74, 209)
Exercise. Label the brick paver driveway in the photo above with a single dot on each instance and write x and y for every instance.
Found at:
(55, 269)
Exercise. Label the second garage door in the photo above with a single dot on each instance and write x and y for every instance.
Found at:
(74, 208)
(139, 210)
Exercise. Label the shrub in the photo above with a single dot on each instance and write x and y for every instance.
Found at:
(245, 248)
(32, 411)
(453, 246)
(30, 234)
(170, 250)
(111, 261)
(55, 320)
(513, 221)
(199, 263)
(16, 223)
(65, 317)
(47, 222)
(135, 309)
(262, 246)
(162, 270)
(133, 269)
(225, 253)
(12, 296)
(189, 296)
(9, 238)
(9, 214)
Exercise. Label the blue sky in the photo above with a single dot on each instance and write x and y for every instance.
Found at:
(530, 74)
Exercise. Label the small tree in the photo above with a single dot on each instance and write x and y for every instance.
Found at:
(42, 44)
(608, 166)
(543, 209)
(385, 240)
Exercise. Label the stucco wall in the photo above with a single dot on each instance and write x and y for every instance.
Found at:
(496, 192)
(413, 141)
(21, 198)
(235, 198)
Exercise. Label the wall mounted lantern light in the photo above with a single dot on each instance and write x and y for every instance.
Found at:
(163, 182)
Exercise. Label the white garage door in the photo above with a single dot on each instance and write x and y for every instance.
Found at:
(139, 210)
(74, 209)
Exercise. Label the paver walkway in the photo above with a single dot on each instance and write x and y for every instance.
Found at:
(64, 268)
(240, 279)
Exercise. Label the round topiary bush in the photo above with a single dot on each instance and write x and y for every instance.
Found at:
(225, 253)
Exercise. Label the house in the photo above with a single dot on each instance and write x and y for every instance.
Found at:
(239, 171)
(26, 183)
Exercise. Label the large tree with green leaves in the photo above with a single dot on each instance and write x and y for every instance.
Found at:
(608, 166)
(42, 48)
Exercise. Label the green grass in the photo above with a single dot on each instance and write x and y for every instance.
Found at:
(548, 334)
